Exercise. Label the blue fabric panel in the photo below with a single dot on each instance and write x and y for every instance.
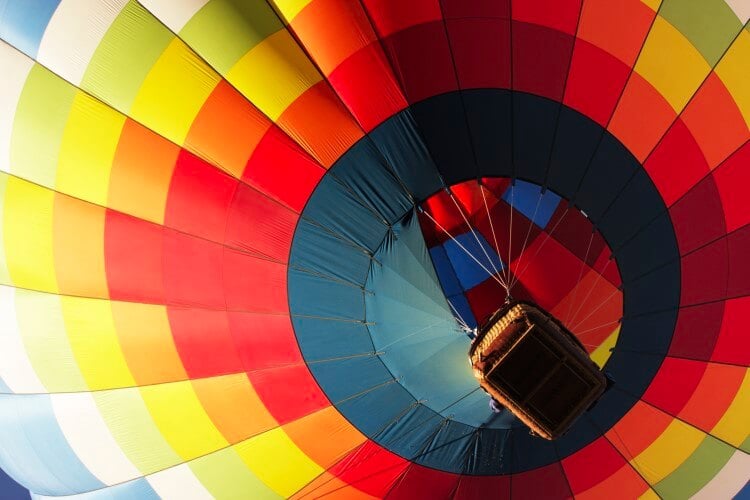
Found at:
(583, 431)
(463, 308)
(22, 22)
(363, 170)
(744, 493)
(450, 445)
(404, 150)
(446, 274)
(492, 452)
(524, 197)
(136, 489)
(11, 490)
(528, 451)
(318, 250)
(348, 377)
(375, 410)
(324, 339)
(318, 297)
(469, 272)
(332, 206)
(35, 450)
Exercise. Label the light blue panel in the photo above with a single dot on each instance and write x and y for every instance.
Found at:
(35, 451)
(333, 207)
(415, 328)
(363, 171)
(321, 298)
(4, 389)
(373, 410)
(524, 197)
(318, 250)
(137, 489)
(469, 272)
(348, 377)
(22, 22)
(325, 339)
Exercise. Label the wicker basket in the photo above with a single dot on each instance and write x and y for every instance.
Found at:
(529, 362)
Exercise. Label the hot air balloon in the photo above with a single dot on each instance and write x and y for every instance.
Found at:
(242, 242)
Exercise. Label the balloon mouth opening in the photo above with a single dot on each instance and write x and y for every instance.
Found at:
(494, 239)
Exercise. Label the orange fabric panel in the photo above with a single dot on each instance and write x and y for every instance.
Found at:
(638, 429)
(713, 395)
(321, 124)
(141, 173)
(227, 129)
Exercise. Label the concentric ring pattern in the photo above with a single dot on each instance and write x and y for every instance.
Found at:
(218, 276)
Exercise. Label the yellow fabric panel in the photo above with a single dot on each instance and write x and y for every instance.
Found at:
(734, 426)
(88, 147)
(602, 353)
(147, 343)
(290, 8)
(671, 64)
(278, 462)
(27, 235)
(649, 495)
(91, 331)
(652, 4)
(668, 451)
(274, 73)
(4, 275)
(225, 475)
(182, 420)
(734, 71)
(134, 430)
(79, 247)
(40, 320)
(173, 92)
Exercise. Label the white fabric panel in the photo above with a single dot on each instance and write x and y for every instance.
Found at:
(90, 438)
(178, 482)
(174, 14)
(73, 34)
(730, 479)
(741, 9)
(16, 67)
(15, 367)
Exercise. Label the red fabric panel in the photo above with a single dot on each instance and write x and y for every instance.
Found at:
(441, 207)
(422, 61)
(698, 217)
(389, 16)
(371, 469)
(560, 16)
(739, 263)
(540, 60)
(697, 330)
(192, 271)
(677, 163)
(607, 267)
(133, 257)
(595, 82)
(421, 482)
(591, 465)
(253, 284)
(674, 383)
(281, 169)
(482, 487)
(732, 179)
(733, 342)
(544, 482)
(264, 340)
(199, 198)
(204, 342)
(289, 392)
(456, 9)
(481, 51)
(365, 83)
(260, 224)
(704, 274)
(575, 232)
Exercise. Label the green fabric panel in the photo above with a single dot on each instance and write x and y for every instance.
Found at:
(225, 475)
(710, 25)
(43, 109)
(745, 446)
(696, 471)
(225, 30)
(128, 50)
(4, 276)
